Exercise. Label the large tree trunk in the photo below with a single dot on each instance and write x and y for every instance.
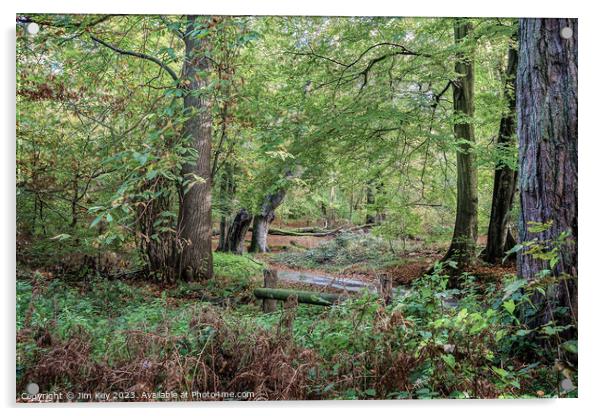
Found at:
(262, 221)
(547, 131)
(463, 245)
(504, 184)
(194, 221)
(235, 240)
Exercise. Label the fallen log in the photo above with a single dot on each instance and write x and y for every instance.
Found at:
(295, 233)
(325, 233)
(308, 231)
(312, 298)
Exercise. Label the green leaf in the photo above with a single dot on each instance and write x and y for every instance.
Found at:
(510, 306)
(500, 372)
(513, 287)
(449, 359)
(370, 392)
(96, 220)
(570, 346)
(462, 315)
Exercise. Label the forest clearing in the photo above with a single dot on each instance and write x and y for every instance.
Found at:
(295, 208)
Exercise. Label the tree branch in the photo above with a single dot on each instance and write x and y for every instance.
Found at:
(140, 55)
(438, 96)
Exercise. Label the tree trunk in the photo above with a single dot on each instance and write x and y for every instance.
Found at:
(462, 248)
(547, 132)
(235, 240)
(370, 200)
(375, 214)
(262, 221)
(504, 184)
(194, 221)
(227, 190)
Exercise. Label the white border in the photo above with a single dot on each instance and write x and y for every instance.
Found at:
(590, 157)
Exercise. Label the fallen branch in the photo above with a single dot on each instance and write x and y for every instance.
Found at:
(307, 232)
(294, 233)
(325, 233)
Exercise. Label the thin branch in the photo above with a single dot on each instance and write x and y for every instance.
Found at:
(438, 96)
(163, 65)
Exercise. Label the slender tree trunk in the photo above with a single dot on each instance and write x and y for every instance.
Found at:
(227, 190)
(504, 184)
(224, 227)
(194, 222)
(262, 221)
(375, 214)
(463, 245)
(370, 200)
(380, 212)
(74, 200)
(547, 132)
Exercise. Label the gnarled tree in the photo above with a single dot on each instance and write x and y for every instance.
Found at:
(263, 219)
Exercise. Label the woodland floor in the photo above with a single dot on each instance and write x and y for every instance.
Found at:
(412, 263)
(129, 333)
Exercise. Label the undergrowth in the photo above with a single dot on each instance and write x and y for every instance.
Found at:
(117, 336)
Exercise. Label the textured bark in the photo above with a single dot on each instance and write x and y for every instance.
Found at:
(194, 221)
(262, 221)
(235, 240)
(547, 132)
(504, 184)
(463, 245)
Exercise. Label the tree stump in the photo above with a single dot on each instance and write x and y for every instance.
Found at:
(385, 289)
(270, 280)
